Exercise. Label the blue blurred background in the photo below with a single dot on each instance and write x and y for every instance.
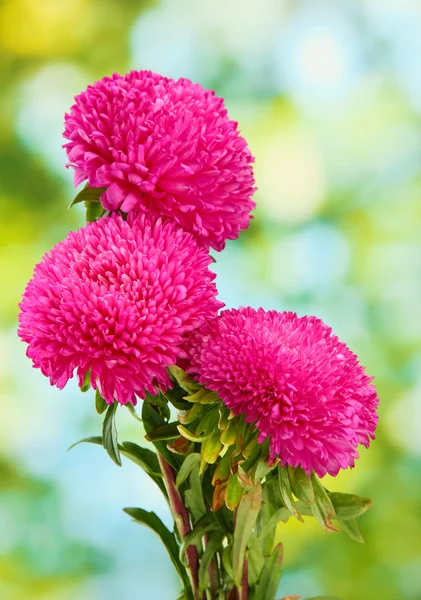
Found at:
(328, 94)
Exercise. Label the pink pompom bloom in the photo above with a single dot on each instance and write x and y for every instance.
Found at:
(163, 147)
(301, 386)
(117, 299)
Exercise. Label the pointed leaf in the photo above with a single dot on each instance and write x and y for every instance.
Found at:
(194, 495)
(152, 420)
(350, 527)
(229, 435)
(88, 194)
(256, 562)
(94, 210)
(246, 516)
(349, 506)
(185, 381)
(271, 574)
(186, 468)
(286, 493)
(222, 471)
(322, 508)
(206, 524)
(301, 484)
(213, 545)
(168, 431)
(191, 436)
(100, 404)
(233, 493)
(151, 520)
(211, 448)
(109, 434)
(133, 412)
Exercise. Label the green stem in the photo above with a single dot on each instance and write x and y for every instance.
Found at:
(182, 520)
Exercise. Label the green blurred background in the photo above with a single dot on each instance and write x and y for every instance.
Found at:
(328, 94)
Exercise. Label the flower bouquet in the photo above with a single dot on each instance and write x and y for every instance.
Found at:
(246, 409)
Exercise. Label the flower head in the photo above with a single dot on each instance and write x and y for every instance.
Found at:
(117, 300)
(163, 147)
(301, 386)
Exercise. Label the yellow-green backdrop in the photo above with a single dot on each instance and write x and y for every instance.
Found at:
(328, 94)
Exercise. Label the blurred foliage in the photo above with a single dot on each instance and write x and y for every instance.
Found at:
(329, 97)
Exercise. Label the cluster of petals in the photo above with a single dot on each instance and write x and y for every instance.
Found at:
(301, 386)
(115, 300)
(163, 147)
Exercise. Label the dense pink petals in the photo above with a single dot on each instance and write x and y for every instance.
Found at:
(117, 299)
(164, 147)
(292, 377)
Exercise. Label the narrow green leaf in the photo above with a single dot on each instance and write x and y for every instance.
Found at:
(246, 516)
(282, 514)
(206, 524)
(256, 562)
(168, 431)
(88, 194)
(152, 420)
(322, 507)
(133, 412)
(211, 448)
(262, 469)
(286, 493)
(186, 468)
(86, 385)
(191, 436)
(94, 439)
(349, 506)
(203, 396)
(222, 471)
(226, 561)
(350, 527)
(271, 574)
(109, 434)
(194, 495)
(213, 545)
(100, 404)
(196, 412)
(185, 381)
(301, 485)
(151, 520)
(233, 493)
(94, 210)
(229, 435)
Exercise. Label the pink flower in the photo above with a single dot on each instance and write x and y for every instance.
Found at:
(163, 147)
(117, 299)
(301, 386)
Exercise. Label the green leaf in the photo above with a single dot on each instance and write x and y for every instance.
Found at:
(222, 471)
(151, 520)
(262, 469)
(185, 381)
(189, 435)
(133, 412)
(211, 448)
(247, 512)
(152, 420)
(282, 514)
(206, 524)
(301, 485)
(203, 396)
(109, 434)
(233, 493)
(350, 527)
(229, 435)
(196, 412)
(88, 194)
(271, 574)
(94, 210)
(286, 493)
(213, 545)
(349, 506)
(186, 468)
(100, 404)
(322, 508)
(168, 431)
(194, 495)
(86, 385)
(256, 562)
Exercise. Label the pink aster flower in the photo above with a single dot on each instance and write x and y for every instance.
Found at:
(163, 147)
(301, 386)
(117, 300)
